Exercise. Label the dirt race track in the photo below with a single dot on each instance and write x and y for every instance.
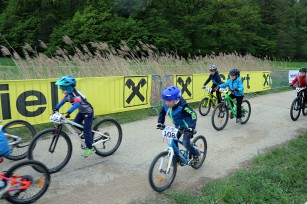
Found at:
(122, 177)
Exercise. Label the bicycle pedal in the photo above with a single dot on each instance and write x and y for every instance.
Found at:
(83, 147)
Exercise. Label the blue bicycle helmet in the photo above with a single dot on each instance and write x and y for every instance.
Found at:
(303, 69)
(171, 93)
(66, 81)
(234, 72)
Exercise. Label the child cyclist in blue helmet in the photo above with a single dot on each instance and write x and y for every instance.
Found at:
(183, 117)
(86, 112)
(235, 84)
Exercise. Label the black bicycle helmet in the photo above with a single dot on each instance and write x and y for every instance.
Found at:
(234, 72)
(213, 68)
(303, 69)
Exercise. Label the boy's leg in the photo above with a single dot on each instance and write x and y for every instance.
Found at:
(79, 119)
(305, 96)
(88, 122)
(187, 144)
(218, 95)
(239, 104)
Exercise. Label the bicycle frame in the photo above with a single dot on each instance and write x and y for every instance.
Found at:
(16, 138)
(210, 96)
(14, 180)
(68, 124)
(173, 150)
(231, 101)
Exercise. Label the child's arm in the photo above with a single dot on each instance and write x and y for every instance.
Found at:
(162, 114)
(294, 80)
(76, 104)
(226, 84)
(189, 111)
(208, 80)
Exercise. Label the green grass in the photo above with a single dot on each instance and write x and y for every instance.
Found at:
(279, 176)
(6, 62)
(288, 65)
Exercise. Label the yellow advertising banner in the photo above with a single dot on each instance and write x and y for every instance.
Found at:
(191, 85)
(34, 100)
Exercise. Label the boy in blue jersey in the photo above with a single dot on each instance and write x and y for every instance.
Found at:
(235, 85)
(216, 80)
(86, 112)
(183, 117)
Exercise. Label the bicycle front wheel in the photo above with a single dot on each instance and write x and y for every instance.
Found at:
(295, 110)
(200, 144)
(246, 111)
(107, 129)
(25, 133)
(27, 171)
(204, 106)
(51, 147)
(159, 179)
(220, 117)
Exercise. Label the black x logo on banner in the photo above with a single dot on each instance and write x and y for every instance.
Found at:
(135, 89)
(185, 85)
(266, 79)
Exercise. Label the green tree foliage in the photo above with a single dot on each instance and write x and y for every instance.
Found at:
(275, 28)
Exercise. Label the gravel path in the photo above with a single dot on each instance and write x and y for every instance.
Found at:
(122, 177)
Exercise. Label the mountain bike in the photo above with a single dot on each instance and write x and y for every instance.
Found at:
(163, 169)
(298, 105)
(19, 133)
(207, 102)
(221, 114)
(54, 147)
(22, 183)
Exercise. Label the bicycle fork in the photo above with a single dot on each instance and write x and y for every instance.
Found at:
(55, 138)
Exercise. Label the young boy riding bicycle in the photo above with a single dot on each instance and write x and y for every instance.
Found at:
(86, 112)
(183, 117)
(216, 80)
(300, 79)
(237, 90)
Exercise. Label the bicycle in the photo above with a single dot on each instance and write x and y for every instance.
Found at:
(19, 133)
(220, 114)
(22, 183)
(207, 102)
(159, 171)
(298, 104)
(107, 137)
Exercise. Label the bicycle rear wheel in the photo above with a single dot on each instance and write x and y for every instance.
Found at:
(159, 180)
(112, 129)
(295, 110)
(220, 117)
(200, 143)
(52, 148)
(204, 106)
(246, 111)
(25, 131)
(26, 171)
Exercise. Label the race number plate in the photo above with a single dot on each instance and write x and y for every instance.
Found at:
(208, 89)
(170, 133)
(223, 90)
